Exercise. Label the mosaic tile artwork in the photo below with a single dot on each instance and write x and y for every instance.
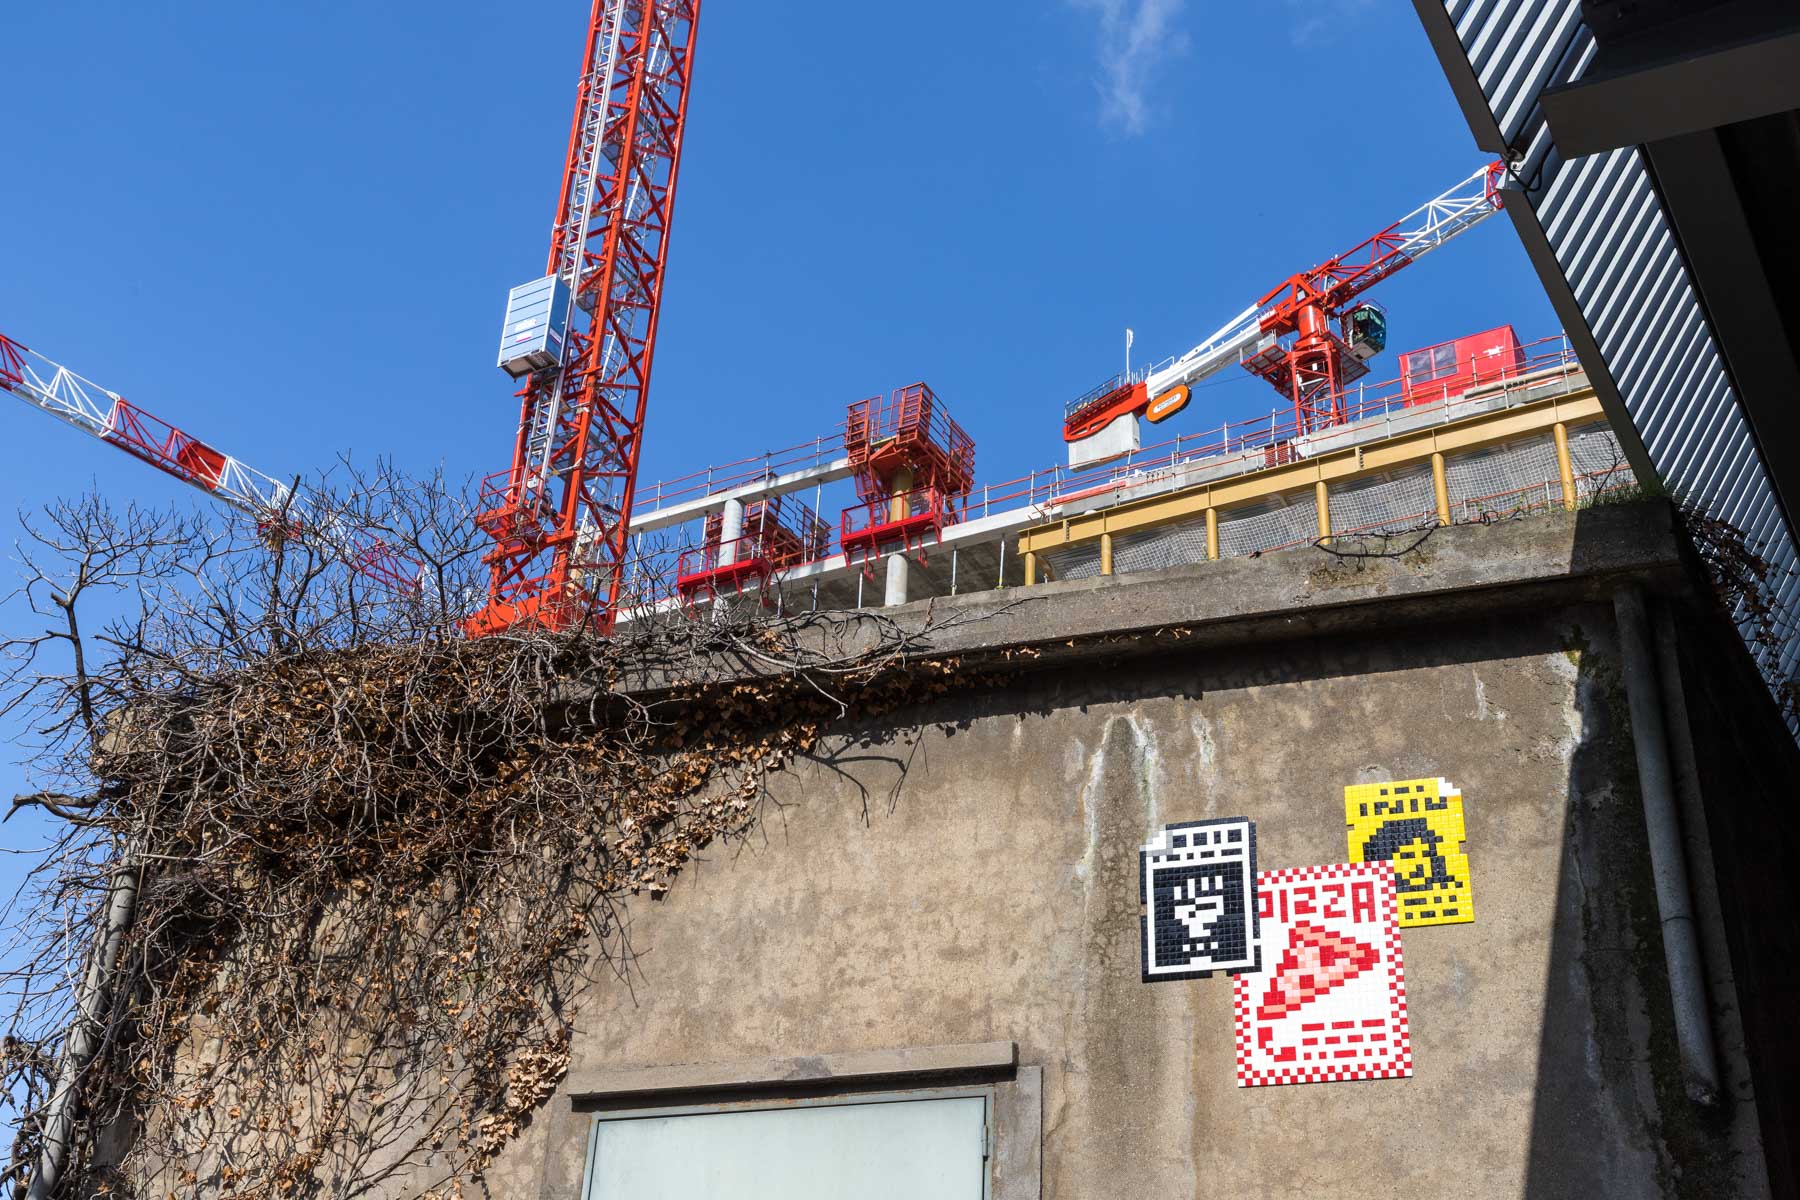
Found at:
(1416, 824)
(1197, 883)
(1329, 1001)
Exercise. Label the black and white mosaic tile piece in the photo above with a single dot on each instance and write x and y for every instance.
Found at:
(1197, 883)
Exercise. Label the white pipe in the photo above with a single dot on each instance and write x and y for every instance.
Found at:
(731, 528)
(1681, 946)
(85, 1034)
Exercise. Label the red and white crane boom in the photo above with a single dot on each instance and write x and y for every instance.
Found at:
(108, 416)
(102, 413)
(584, 335)
(1286, 337)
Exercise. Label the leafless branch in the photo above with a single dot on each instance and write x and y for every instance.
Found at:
(373, 863)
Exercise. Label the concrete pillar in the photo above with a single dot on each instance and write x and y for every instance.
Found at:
(730, 530)
(1440, 488)
(1322, 502)
(1106, 554)
(898, 566)
(1212, 535)
(1681, 946)
(1565, 466)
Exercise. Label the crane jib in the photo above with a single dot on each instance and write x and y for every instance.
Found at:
(1288, 338)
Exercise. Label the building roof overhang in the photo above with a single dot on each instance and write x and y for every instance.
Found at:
(1652, 173)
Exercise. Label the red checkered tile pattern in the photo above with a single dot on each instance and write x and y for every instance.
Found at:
(1368, 1045)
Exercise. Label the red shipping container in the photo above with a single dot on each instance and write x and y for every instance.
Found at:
(1452, 368)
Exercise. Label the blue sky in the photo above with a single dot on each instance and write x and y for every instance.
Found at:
(291, 228)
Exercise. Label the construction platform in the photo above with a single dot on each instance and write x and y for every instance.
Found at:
(1533, 440)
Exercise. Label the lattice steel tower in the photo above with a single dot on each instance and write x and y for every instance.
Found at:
(583, 337)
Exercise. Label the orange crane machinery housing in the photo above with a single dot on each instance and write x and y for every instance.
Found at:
(583, 337)
(1305, 336)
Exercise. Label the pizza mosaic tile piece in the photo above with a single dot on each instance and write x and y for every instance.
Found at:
(1328, 1001)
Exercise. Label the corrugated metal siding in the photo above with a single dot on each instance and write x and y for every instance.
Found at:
(1603, 221)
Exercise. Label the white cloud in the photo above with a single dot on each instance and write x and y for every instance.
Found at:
(1319, 21)
(1137, 37)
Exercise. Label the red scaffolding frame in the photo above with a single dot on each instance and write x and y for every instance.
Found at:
(914, 466)
(776, 533)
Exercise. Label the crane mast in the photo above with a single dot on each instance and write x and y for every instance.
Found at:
(1303, 336)
(584, 336)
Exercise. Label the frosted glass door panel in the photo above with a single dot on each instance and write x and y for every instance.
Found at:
(901, 1150)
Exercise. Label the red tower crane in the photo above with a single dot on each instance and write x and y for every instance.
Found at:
(1304, 336)
(584, 336)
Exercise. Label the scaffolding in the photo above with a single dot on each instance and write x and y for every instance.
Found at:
(914, 468)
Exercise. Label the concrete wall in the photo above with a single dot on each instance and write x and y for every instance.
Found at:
(1746, 841)
(967, 872)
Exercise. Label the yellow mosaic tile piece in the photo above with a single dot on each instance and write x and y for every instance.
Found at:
(1416, 824)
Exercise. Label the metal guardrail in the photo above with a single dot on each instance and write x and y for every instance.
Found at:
(1540, 363)
(820, 452)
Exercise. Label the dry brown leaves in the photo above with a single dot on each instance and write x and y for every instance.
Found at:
(383, 876)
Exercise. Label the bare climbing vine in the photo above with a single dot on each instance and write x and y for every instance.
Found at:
(371, 862)
(1749, 587)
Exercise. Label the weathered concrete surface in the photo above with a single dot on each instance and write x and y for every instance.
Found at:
(967, 872)
(1452, 573)
(960, 879)
(841, 1070)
